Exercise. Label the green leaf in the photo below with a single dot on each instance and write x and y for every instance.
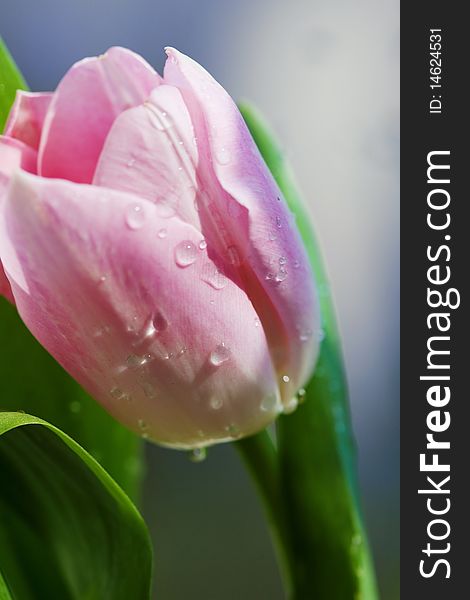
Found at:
(71, 532)
(317, 457)
(10, 81)
(32, 381)
(4, 592)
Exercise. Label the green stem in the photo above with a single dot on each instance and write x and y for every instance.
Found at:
(260, 457)
(328, 552)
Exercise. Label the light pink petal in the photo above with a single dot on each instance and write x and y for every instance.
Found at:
(250, 217)
(173, 351)
(150, 151)
(14, 154)
(27, 115)
(88, 99)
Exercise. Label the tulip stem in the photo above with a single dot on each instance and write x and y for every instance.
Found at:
(260, 457)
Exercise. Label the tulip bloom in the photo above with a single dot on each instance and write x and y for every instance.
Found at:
(149, 250)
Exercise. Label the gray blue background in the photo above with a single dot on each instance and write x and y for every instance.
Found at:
(325, 73)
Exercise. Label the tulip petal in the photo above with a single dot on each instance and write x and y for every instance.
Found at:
(150, 151)
(14, 154)
(27, 117)
(272, 260)
(140, 320)
(88, 99)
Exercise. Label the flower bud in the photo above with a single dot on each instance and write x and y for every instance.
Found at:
(150, 251)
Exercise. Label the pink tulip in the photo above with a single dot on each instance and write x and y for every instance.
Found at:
(149, 250)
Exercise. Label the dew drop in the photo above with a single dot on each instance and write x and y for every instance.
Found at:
(282, 260)
(269, 403)
(102, 279)
(198, 455)
(285, 378)
(134, 362)
(142, 425)
(232, 430)
(223, 156)
(116, 393)
(290, 406)
(269, 276)
(272, 237)
(219, 355)
(278, 222)
(257, 322)
(159, 323)
(281, 275)
(215, 403)
(181, 352)
(162, 233)
(130, 163)
(296, 264)
(301, 393)
(202, 245)
(185, 254)
(135, 216)
(212, 276)
(304, 336)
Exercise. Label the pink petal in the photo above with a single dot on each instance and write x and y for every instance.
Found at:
(14, 154)
(88, 99)
(150, 151)
(254, 220)
(96, 281)
(27, 117)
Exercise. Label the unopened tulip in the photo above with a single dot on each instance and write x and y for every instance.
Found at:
(147, 247)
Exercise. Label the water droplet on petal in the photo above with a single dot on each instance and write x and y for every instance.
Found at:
(130, 163)
(257, 322)
(278, 222)
(296, 264)
(134, 362)
(281, 275)
(162, 234)
(202, 245)
(212, 276)
(215, 403)
(116, 393)
(198, 455)
(159, 323)
(282, 260)
(232, 430)
(185, 254)
(135, 216)
(290, 406)
(269, 403)
(219, 355)
(285, 378)
(305, 335)
(223, 156)
(142, 425)
(301, 394)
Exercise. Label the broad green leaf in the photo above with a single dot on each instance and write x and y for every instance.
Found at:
(331, 558)
(10, 81)
(31, 381)
(68, 530)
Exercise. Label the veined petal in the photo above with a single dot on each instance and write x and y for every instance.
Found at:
(27, 115)
(121, 297)
(87, 100)
(150, 151)
(272, 260)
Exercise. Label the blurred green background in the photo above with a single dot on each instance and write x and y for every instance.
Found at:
(325, 73)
